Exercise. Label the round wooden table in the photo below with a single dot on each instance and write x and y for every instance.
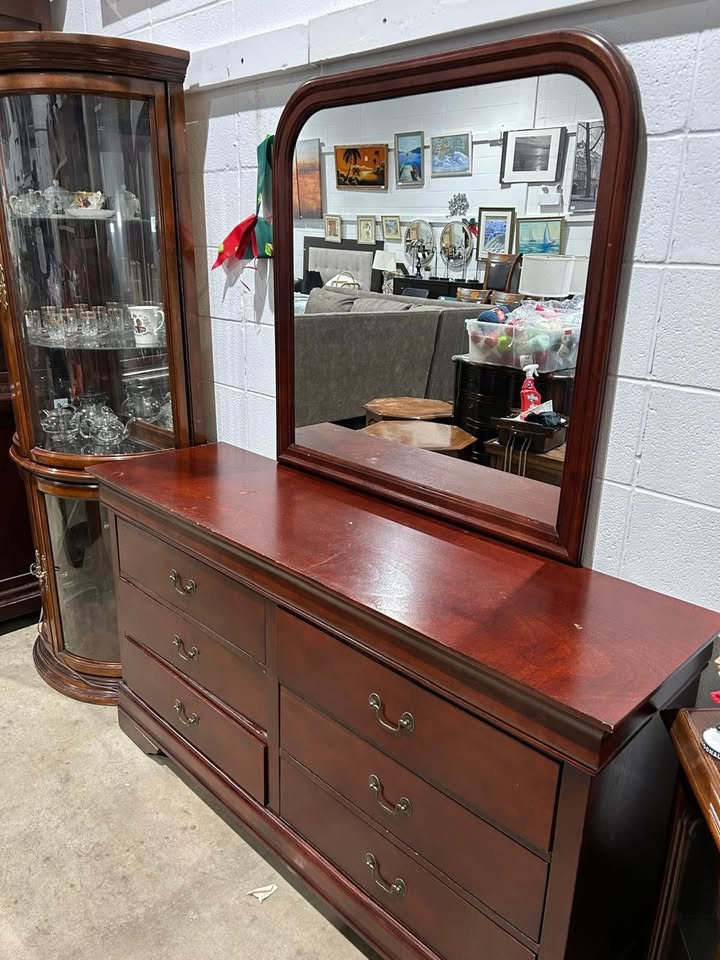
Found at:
(438, 437)
(407, 408)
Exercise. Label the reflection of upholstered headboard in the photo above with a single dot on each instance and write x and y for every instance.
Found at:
(329, 258)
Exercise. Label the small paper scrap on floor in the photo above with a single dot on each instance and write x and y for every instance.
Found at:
(262, 893)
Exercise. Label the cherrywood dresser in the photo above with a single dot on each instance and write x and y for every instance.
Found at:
(459, 745)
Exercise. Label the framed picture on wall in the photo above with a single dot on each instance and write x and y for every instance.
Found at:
(361, 166)
(540, 235)
(451, 155)
(589, 145)
(533, 156)
(333, 225)
(391, 228)
(496, 230)
(307, 181)
(366, 230)
(410, 159)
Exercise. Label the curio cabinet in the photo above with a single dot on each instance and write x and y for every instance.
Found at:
(98, 307)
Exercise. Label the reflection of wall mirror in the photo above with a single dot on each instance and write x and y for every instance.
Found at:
(457, 448)
(419, 243)
(456, 245)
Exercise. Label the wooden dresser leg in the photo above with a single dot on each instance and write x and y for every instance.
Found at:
(138, 736)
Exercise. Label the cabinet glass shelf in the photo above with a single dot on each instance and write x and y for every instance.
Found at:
(134, 348)
(104, 216)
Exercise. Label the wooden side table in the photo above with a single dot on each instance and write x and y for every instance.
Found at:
(687, 926)
(438, 437)
(546, 467)
(407, 408)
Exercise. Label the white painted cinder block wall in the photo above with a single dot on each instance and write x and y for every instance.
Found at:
(656, 510)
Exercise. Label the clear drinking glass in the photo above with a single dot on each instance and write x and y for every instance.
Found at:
(53, 325)
(102, 326)
(88, 328)
(34, 326)
(71, 326)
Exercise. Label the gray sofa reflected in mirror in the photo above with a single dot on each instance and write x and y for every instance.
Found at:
(352, 346)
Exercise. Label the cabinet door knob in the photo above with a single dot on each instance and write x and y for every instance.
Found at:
(188, 721)
(184, 591)
(406, 722)
(192, 654)
(402, 806)
(397, 888)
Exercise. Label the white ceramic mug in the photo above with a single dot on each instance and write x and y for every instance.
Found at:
(148, 324)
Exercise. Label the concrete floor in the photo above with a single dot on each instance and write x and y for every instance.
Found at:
(106, 854)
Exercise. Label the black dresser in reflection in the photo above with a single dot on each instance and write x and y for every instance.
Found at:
(484, 391)
(436, 286)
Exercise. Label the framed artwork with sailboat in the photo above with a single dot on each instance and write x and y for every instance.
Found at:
(540, 235)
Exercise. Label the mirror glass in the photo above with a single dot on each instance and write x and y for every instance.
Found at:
(456, 245)
(441, 252)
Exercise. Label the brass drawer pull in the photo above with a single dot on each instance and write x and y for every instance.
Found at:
(402, 806)
(398, 887)
(406, 722)
(192, 654)
(189, 721)
(184, 591)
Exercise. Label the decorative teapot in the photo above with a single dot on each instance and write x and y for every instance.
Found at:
(105, 429)
(97, 422)
(32, 203)
(58, 199)
(61, 424)
(140, 402)
(126, 203)
(165, 416)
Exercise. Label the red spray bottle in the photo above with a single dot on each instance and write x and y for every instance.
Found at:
(529, 395)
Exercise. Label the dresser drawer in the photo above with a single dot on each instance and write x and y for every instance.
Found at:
(475, 406)
(226, 743)
(219, 667)
(498, 871)
(197, 590)
(437, 915)
(497, 776)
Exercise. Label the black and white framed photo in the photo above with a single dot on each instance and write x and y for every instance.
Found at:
(589, 145)
(533, 156)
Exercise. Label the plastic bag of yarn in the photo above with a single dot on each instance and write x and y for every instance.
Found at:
(497, 314)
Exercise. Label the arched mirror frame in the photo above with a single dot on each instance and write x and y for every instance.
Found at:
(603, 68)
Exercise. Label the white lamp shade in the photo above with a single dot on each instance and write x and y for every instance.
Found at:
(578, 281)
(545, 275)
(384, 260)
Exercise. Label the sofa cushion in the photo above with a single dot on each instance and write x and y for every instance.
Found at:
(378, 305)
(330, 301)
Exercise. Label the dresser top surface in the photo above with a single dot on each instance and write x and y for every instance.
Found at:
(596, 646)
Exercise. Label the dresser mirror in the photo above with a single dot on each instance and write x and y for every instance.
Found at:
(419, 245)
(456, 245)
(462, 372)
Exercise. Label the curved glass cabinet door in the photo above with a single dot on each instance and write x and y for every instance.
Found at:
(83, 573)
(79, 192)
